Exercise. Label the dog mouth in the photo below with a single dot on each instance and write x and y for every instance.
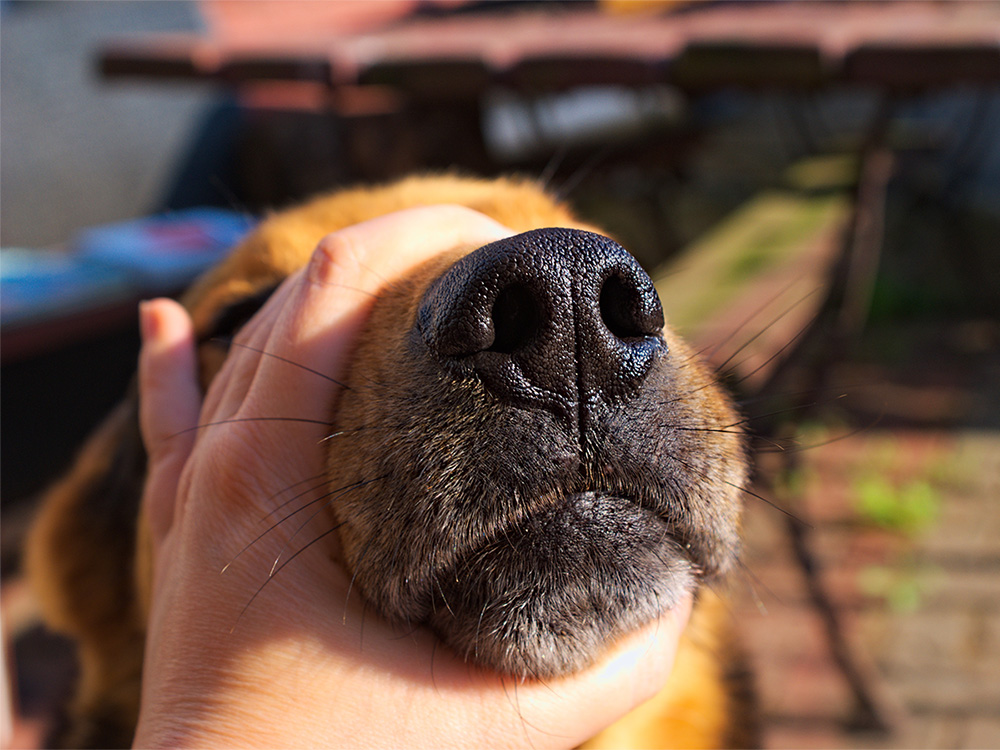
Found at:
(547, 592)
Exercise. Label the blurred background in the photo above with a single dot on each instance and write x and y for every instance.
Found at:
(815, 187)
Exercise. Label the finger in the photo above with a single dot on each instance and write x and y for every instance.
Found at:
(232, 381)
(482, 709)
(561, 713)
(637, 668)
(329, 301)
(169, 401)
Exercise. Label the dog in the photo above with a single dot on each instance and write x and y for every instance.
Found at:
(550, 434)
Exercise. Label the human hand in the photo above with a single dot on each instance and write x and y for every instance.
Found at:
(238, 658)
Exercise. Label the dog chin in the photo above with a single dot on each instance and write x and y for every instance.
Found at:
(547, 596)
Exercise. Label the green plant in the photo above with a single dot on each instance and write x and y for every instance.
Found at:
(902, 586)
(907, 508)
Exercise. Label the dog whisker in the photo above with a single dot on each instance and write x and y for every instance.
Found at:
(237, 420)
(272, 527)
(313, 478)
(801, 332)
(709, 354)
(408, 632)
(291, 362)
(722, 367)
(844, 391)
(774, 505)
(386, 283)
(791, 409)
(443, 597)
(479, 625)
(837, 438)
(719, 430)
(581, 173)
(329, 497)
(701, 472)
(687, 394)
(352, 431)
(549, 172)
(752, 579)
(774, 445)
(267, 580)
(322, 485)
(524, 722)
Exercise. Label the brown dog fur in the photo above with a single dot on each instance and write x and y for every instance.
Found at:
(89, 569)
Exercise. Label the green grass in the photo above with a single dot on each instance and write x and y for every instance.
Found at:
(908, 507)
(757, 239)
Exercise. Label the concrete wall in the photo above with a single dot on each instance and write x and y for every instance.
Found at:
(74, 150)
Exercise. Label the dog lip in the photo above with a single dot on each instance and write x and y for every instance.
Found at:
(547, 592)
(553, 511)
(563, 502)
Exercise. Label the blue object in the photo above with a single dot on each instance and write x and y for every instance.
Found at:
(39, 284)
(115, 263)
(168, 250)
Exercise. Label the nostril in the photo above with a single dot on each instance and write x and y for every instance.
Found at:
(623, 311)
(558, 319)
(516, 318)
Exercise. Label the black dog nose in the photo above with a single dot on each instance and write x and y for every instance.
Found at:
(552, 318)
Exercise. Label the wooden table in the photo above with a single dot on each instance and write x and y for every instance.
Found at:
(903, 46)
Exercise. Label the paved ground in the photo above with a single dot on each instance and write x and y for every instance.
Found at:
(920, 600)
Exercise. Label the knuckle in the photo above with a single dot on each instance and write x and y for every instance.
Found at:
(337, 257)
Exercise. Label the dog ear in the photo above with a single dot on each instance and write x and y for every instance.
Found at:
(81, 562)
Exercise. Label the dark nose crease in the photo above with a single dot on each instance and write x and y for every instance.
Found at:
(554, 318)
